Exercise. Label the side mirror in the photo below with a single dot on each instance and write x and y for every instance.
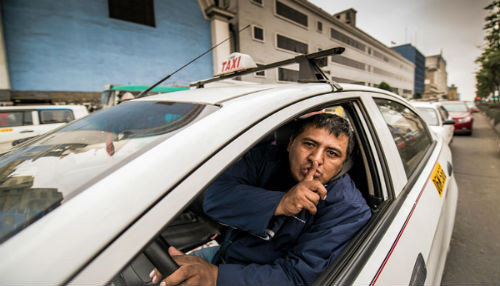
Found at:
(449, 122)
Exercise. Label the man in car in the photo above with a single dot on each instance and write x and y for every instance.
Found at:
(288, 216)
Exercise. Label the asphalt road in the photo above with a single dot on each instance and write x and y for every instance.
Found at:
(474, 257)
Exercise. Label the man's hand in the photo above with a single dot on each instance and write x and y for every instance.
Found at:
(193, 271)
(304, 195)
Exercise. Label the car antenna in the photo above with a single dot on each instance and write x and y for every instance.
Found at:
(168, 76)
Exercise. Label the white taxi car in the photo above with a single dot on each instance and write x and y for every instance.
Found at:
(437, 117)
(21, 122)
(92, 203)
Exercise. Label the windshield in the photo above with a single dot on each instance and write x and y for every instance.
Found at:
(455, 107)
(429, 114)
(39, 175)
(470, 104)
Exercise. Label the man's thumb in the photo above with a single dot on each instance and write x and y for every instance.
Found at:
(174, 251)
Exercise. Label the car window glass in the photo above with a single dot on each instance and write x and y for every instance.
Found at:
(28, 119)
(456, 107)
(408, 132)
(56, 116)
(429, 114)
(11, 118)
(30, 184)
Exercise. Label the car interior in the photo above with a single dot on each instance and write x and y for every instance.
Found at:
(192, 228)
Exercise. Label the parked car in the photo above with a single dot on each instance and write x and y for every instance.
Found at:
(462, 116)
(87, 201)
(23, 122)
(438, 119)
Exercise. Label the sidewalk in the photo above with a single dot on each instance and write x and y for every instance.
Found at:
(491, 121)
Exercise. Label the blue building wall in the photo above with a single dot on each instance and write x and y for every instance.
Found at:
(412, 54)
(73, 45)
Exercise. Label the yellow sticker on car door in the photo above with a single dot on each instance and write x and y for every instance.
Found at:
(439, 179)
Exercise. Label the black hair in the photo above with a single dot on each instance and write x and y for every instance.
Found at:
(332, 122)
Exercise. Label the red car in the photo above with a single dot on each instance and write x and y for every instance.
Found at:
(462, 115)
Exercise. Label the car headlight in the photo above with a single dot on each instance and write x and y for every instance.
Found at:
(463, 120)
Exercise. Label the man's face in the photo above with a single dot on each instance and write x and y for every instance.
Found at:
(317, 144)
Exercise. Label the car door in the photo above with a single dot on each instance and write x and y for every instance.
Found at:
(409, 243)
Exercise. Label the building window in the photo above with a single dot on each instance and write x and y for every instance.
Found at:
(258, 2)
(258, 33)
(136, 11)
(380, 56)
(348, 62)
(288, 75)
(345, 80)
(319, 26)
(291, 14)
(346, 39)
(288, 44)
(383, 72)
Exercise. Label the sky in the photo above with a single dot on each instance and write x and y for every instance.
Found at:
(454, 27)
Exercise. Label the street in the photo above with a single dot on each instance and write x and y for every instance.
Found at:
(474, 257)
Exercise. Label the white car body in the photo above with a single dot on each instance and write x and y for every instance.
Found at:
(436, 117)
(108, 216)
(37, 123)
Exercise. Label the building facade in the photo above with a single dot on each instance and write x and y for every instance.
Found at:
(436, 77)
(281, 29)
(411, 53)
(57, 48)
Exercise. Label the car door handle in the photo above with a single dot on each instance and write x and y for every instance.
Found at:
(27, 131)
(419, 272)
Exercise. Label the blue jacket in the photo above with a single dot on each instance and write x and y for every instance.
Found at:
(262, 249)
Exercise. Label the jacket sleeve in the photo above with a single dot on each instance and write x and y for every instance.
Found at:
(320, 244)
(234, 200)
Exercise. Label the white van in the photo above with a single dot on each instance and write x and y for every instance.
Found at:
(19, 122)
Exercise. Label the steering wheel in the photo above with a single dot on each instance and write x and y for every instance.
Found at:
(157, 253)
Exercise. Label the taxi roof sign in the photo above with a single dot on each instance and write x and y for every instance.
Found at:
(309, 70)
(236, 62)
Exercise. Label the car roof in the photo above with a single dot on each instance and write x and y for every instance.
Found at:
(425, 104)
(452, 102)
(220, 94)
(144, 87)
(18, 107)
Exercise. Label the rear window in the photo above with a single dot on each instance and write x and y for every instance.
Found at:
(15, 118)
(49, 116)
(455, 107)
(430, 115)
(40, 175)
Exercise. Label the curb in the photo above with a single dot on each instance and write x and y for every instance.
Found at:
(492, 123)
